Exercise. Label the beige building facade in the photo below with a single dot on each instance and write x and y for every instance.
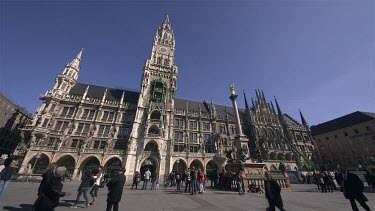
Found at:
(348, 141)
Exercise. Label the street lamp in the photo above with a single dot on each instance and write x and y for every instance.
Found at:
(38, 155)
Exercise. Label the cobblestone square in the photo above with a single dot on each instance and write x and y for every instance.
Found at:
(20, 196)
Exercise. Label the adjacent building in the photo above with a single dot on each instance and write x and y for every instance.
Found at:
(83, 125)
(348, 141)
(12, 118)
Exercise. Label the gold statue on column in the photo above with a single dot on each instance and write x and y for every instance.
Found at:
(232, 91)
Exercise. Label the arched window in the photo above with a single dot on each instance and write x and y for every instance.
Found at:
(154, 130)
(159, 60)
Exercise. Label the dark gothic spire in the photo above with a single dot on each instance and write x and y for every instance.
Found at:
(304, 123)
(246, 103)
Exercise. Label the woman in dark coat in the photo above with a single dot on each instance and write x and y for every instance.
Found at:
(84, 188)
(272, 191)
(115, 187)
(51, 192)
(48, 174)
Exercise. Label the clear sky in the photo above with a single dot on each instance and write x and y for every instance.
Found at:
(317, 56)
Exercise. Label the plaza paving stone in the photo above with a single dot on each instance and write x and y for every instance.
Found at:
(20, 196)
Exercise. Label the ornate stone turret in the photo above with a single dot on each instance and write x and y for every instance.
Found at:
(65, 81)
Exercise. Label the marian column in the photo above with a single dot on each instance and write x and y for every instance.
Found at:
(241, 142)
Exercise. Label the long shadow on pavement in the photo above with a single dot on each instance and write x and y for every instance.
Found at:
(23, 207)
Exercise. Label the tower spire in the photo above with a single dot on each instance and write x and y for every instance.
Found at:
(304, 123)
(75, 62)
(278, 108)
(246, 103)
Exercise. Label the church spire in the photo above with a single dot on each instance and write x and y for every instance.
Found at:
(278, 108)
(75, 62)
(304, 123)
(246, 103)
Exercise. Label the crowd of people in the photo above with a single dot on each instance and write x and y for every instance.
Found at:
(194, 180)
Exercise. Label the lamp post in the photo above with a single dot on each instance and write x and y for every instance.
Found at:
(38, 155)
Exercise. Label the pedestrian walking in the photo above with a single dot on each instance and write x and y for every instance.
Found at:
(353, 189)
(193, 180)
(136, 179)
(201, 181)
(84, 189)
(146, 179)
(187, 180)
(272, 192)
(6, 175)
(48, 174)
(115, 188)
(50, 192)
(98, 179)
(239, 181)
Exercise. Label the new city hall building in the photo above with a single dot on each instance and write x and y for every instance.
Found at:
(83, 126)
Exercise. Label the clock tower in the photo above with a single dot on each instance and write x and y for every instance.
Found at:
(150, 141)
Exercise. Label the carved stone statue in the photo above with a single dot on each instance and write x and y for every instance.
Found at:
(232, 91)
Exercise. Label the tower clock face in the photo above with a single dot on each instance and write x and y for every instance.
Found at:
(163, 50)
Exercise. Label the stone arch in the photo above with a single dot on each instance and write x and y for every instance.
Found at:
(113, 163)
(265, 168)
(273, 168)
(211, 168)
(68, 161)
(155, 115)
(91, 162)
(154, 130)
(288, 167)
(179, 165)
(39, 165)
(150, 163)
(197, 164)
(151, 146)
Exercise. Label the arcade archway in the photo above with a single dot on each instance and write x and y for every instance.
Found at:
(39, 165)
(197, 164)
(179, 166)
(149, 164)
(211, 168)
(67, 161)
(112, 165)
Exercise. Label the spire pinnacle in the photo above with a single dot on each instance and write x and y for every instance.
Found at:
(246, 103)
(278, 108)
(304, 123)
(75, 62)
(166, 19)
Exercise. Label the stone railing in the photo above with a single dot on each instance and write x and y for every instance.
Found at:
(258, 179)
(115, 151)
(43, 148)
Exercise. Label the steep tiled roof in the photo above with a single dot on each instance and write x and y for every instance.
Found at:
(98, 92)
(342, 122)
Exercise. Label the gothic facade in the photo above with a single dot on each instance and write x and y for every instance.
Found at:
(84, 126)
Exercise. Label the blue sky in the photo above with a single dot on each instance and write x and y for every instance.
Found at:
(317, 56)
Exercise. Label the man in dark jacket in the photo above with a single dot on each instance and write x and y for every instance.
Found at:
(272, 191)
(353, 189)
(51, 192)
(48, 174)
(115, 187)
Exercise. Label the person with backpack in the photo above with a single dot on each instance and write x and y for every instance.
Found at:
(97, 180)
(136, 179)
(87, 182)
